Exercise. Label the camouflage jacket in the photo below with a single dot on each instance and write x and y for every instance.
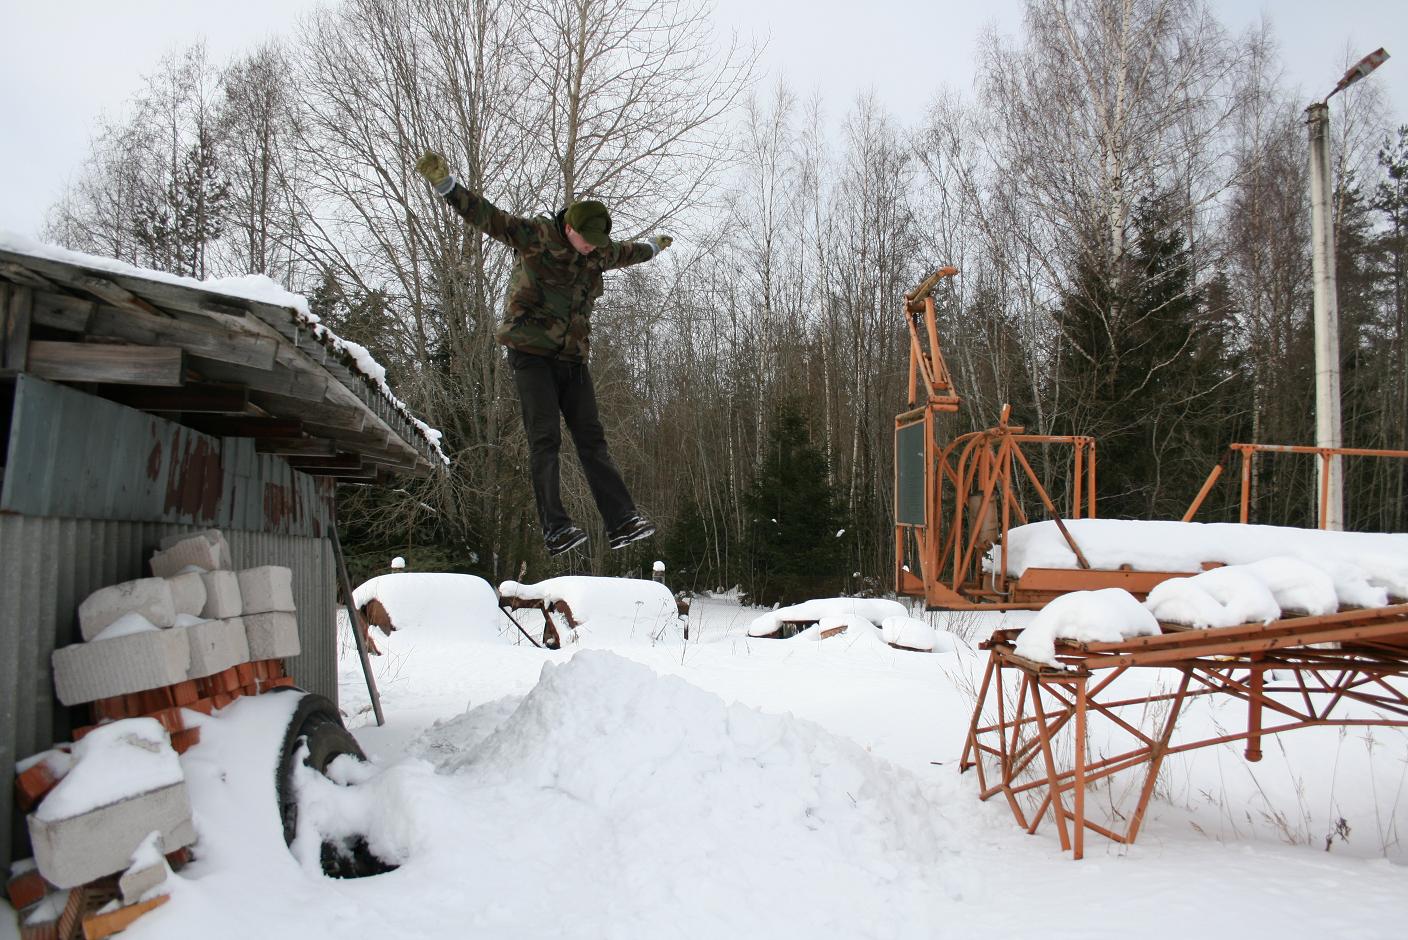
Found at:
(553, 286)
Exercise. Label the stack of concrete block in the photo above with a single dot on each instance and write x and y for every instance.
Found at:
(206, 550)
(137, 662)
(74, 848)
(150, 597)
(271, 624)
(216, 645)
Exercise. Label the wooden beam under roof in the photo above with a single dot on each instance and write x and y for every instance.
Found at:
(106, 363)
(206, 337)
(297, 447)
(246, 426)
(321, 414)
(336, 463)
(279, 379)
(191, 398)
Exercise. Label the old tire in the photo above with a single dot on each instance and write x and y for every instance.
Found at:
(317, 723)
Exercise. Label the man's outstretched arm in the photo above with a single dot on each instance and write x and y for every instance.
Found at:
(518, 233)
(625, 254)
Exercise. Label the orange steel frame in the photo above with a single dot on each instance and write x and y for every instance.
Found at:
(1248, 454)
(1029, 735)
(970, 498)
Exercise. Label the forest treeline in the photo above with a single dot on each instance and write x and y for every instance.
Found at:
(1124, 189)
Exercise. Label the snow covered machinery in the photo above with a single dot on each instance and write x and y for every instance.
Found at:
(955, 502)
(1298, 627)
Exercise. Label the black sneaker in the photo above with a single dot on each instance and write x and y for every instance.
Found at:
(634, 529)
(564, 540)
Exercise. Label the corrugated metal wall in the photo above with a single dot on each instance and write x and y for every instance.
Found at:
(52, 559)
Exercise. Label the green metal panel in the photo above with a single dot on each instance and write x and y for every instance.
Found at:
(76, 456)
(909, 474)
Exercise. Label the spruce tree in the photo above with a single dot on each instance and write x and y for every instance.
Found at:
(793, 519)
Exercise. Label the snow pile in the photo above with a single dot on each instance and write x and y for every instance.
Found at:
(871, 609)
(766, 802)
(1222, 597)
(256, 287)
(910, 633)
(111, 763)
(1366, 568)
(126, 625)
(1105, 616)
(608, 611)
(450, 606)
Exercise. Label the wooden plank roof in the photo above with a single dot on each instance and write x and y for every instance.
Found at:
(256, 366)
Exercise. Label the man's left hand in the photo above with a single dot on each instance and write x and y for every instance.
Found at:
(660, 242)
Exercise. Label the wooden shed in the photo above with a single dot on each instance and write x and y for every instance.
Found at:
(135, 405)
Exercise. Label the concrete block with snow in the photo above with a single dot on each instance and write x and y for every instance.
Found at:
(150, 597)
(266, 588)
(133, 662)
(148, 870)
(126, 783)
(215, 646)
(205, 550)
(187, 593)
(272, 635)
(222, 595)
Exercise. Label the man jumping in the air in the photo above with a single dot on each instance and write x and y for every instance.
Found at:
(546, 327)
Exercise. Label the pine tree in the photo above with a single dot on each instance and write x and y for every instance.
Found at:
(794, 519)
(1145, 372)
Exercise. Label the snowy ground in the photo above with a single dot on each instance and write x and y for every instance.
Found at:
(738, 787)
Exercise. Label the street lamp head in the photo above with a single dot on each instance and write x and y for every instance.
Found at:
(1359, 69)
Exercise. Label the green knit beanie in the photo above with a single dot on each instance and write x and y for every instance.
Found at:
(591, 221)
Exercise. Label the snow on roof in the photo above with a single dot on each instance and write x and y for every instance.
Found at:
(451, 606)
(1365, 567)
(607, 610)
(253, 287)
(113, 762)
(874, 610)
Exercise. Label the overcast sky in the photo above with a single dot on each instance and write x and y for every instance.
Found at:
(68, 61)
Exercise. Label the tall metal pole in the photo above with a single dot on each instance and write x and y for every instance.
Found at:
(1327, 332)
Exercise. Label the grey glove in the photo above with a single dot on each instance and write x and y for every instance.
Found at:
(659, 242)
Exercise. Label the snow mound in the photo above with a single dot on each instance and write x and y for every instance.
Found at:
(1366, 568)
(1222, 597)
(910, 633)
(1105, 616)
(608, 611)
(616, 740)
(441, 606)
(871, 609)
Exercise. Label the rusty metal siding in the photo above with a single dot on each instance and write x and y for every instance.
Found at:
(47, 567)
(90, 490)
(73, 455)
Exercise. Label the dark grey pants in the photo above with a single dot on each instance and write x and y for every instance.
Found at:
(547, 388)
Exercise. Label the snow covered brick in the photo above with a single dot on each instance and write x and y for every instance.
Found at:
(272, 635)
(222, 595)
(150, 597)
(206, 550)
(267, 588)
(187, 593)
(148, 659)
(148, 869)
(215, 646)
(126, 783)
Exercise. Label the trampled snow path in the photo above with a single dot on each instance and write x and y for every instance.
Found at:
(668, 791)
